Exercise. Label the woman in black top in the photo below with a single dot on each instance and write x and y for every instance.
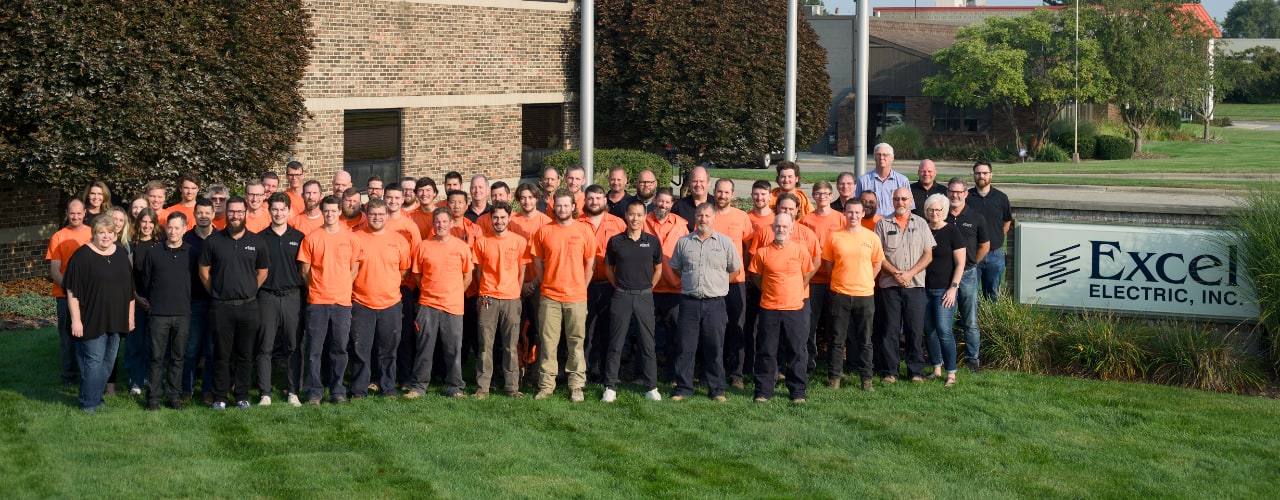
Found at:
(942, 282)
(99, 285)
(137, 345)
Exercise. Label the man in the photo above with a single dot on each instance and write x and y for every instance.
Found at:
(925, 185)
(853, 257)
(900, 298)
(526, 223)
(646, 188)
(706, 261)
(374, 188)
(780, 271)
(822, 221)
(883, 180)
(461, 227)
(200, 334)
(443, 266)
(994, 207)
(668, 227)
(309, 218)
(549, 182)
(734, 223)
(846, 191)
(499, 192)
(293, 174)
(329, 261)
(62, 245)
(801, 234)
(164, 280)
(352, 211)
(870, 205)
(599, 290)
(410, 187)
(218, 195)
(423, 217)
(699, 184)
(452, 181)
(742, 355)
(397, 221)
(617, 197)
(280, 299)
(977, 242)
(633, 263)
(564, 256)
(575, 177)
(502, 257)
(403, 224)
(341, 183)
(233, 265)
(376, 308)
(155, 196)
(479, 198)
(789, 183)
(189, 188)
(271, 182)
(258, 217)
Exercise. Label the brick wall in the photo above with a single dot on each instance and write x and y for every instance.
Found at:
(472, 140)
(32, 214)
(320, 148)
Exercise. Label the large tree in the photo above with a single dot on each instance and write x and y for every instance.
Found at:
(1011, 63)
(1253, 75)
(1253, 19)
(706, 77)
(148, 89)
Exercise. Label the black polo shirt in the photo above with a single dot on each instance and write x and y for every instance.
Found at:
(973, 231)
(838, 205)
(165, 279)
(473, 216)
(686, 207)
(619, 209)
(634, 260)
(198, 293)
(234, 264)
(995, 209)
(919, 194)
(282, 251)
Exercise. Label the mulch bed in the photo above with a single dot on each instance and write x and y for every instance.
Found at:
(1140, 155)
(38, 286)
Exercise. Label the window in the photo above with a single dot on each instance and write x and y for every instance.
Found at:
(948, 118)
(541, 134)
(371, 143)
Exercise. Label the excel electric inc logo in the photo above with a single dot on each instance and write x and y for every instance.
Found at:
(1058, 267)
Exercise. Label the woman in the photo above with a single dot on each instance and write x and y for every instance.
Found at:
(97, 199)
(138, 203)
(137, 345)
(99, 285)
(124, 233)
(942, 282)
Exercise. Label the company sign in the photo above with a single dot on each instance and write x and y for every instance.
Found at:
(1177, 272)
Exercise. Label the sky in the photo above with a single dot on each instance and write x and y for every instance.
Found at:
(1217, 8)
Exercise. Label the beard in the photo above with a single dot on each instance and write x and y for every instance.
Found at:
(589, 211)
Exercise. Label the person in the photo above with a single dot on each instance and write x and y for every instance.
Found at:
(402, 223)
(575, 178)
(62, 245)
(870, 205)
(188, 189)
(375, 295)
(409, 185)
(99, 287)
(741, 355)
(329, 260)
(341, 183)
(617, 197)
(165, 284)
(707, 261)
(155, 196)
(233, 265)
(846, 191)
(137, 345)
(646, 188)
(899, 296)
(669, 228)
(97, 199)
(351, 212)
(699, 193)
(599, 291)
(734, 223)
(781, 270)
(788, 204)
(975, 234)
(293, 174)
(443, 266)
(994, 207)
(499, 192)
(822, 221)
(942, 284)
(925, 185)
(425, 214)
(525, 223)
(549, 182)
(564, 256)
(789, 183)
(374, 188)
(479, 198)
(853, 257)
(452, 182)
(280, 301)
(124, 228)
(461, 227)
(257, 217)
(501, 259)
(883, 180)
(200, 333)
(270, 182)
(138, 203)
(218, 195)
(633, 264)
(308, 219)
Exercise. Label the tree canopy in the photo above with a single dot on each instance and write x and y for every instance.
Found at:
(1253, 19)
(148, 89)
(1252, 75)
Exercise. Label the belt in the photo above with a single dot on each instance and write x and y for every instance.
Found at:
(687, 296)
(635, 292)
(234, 302)
(281, 293)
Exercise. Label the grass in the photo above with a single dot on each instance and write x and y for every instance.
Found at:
(1050, 179)
(1249, 112)
(995, 435)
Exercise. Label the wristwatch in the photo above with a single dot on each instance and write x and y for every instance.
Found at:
(955, 284)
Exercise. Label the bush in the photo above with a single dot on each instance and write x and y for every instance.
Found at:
(1256, 237)
(1063, 131)
(1220, 121)
(1105, 346)
(27, 304)
(1168, 119)
(1195, 356)
(1050, 152)
(1017, 337)
(1113, 148)
(970, 153)
(906, 139)
(1087, 147)
(630, 159)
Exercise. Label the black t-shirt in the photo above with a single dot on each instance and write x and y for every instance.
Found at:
(686, 207)
(919, 194)
(140, 252)
(619, 209)
(995, 210)
(282, 251)
(634, 260)
(103, 284)
(943, 266)
(234, 264)
(166, 279)
(198, 293)
(973, 228)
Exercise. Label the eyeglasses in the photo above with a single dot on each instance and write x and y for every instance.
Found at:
(896, 198)
(950, 191)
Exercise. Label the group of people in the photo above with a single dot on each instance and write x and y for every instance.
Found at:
(356, 296)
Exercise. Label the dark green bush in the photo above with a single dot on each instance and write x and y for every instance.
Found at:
(1256, 236)
(1105, 346)
(1113, 148)
(1018, 337)
(970, 153)
(1088, 147)
(1196, 356)
(1050, 152)
(1062, 131)
(1168, 119)
(27, 304)
(630, 159)
(906, 139)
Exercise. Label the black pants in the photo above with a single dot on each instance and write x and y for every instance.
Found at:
(407, 351)
(627, 305)
(851, 317)
(168, 351)
(741, 354)
(279, 319)
(735, 305)
(375, 334)
(791, 328)
(328, 331)
(666, 313)
(596, 343)
(701, 330)
(235, 330)
(899, 309)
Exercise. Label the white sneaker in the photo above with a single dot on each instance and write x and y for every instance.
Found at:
(265, 401)
(609, 396)
(135, 391)
(653, 395)
(294, 402)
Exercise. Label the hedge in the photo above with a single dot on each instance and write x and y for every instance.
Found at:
(632, 160)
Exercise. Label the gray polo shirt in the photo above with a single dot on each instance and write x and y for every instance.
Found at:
(903, 248)
(704, 266)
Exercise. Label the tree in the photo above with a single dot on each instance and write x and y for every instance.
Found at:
(705, 77)
(148, 89)
(1253, 75)
(1014, 62)
(1253, 19)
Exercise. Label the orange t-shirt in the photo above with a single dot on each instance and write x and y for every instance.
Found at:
(853, 256)
(500, 261)
(805, 207)
(296, 205)
(442, 267)
(404, 226)
(305, 224)
(525, 224)
(870, 222)
(256, 223)
(610, 225)
(423, 221)
(579, 199)
(331, 256)
(190, 212)
(219, 222)
(564, 251)
(781, 273)
(735, 224)
(353, 224)
(485, 223)
(668, 232)
(823, 226)
(64, 243)
(386, 257)
(800, 234)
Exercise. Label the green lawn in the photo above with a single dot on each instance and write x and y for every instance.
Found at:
(994, 435)
(1249, 112)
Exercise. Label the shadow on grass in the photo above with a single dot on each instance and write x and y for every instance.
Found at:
(26, 367)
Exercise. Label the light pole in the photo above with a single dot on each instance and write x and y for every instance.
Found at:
(1075, 100)
(861, 74)
(587, 91)
(790, 128)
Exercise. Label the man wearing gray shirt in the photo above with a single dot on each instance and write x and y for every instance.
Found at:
(706, 261)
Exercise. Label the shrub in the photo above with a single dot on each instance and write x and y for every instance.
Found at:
(27, 304)
(1114, 148)
(1050, 152)
(906, 139)
(1196, 356)
(1168, 119)
(632, 160)
(1256, 237)
(1017, 337)
(1104, 345)
(1063, 131)
(1087, 147)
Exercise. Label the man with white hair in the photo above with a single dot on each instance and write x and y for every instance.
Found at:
(883, 180)
(781, 270)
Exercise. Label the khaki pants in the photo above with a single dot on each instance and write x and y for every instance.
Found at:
(571, 319)
(501, 319)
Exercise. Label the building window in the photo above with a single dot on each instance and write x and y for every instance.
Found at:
(947, 118)
(541, 134)
(371, 144)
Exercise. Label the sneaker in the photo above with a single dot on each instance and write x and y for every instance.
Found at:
(738, 384)
(866, 385)
(720, 398)
(833, 383)
(340, 400)
(575, 396)
(219, 406)
(459, 395)
(242, 404)
(974, 366)
(917, 379)
(761, 399)
(677, 398)
(373, 387)
(515, 394)
(294, 402)
(135, 391)
(653, 395)
(799, 401)
(890, 379)
(90, 410)
(208, 398)
(314, 401)
(412, 395)
(264, 401)
(481, 395)
(542, 395)
(609, 396)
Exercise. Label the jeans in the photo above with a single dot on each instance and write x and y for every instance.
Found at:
(96, 357)
(701, 328)
(328, 330)
(137, 350)
(819, 300)
(407, 352)
(990, 273)
(967, 306)
(67, 344)
(599, 297)
(375, 334)
(740, 355)
(735, 306)
(436, 324)
(199, 345)
(938, 323)
(168, 348)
